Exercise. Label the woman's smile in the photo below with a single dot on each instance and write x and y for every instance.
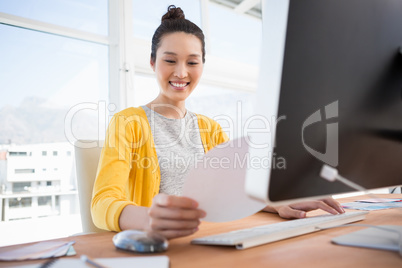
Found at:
(179, 85)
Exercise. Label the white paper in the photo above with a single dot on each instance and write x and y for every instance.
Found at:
(123, 262)
(39, 250)
(217, 183)
(133, 262)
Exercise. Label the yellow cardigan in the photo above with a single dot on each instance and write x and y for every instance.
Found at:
(128, 171)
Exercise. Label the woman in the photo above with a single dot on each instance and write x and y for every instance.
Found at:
(141, 172)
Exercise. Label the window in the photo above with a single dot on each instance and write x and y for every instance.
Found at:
(59, 73)
(231, 108)
(19, 187)
(44, 201)
(24, 171)
(54, 58)
(143, 81)
(20, 202)
(18, 153)
(234, 36)
(86, 15)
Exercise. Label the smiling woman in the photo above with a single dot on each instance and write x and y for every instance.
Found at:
(150, 149)
(177, 58)
(147, 196)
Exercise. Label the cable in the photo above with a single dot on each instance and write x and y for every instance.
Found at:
(331, 174)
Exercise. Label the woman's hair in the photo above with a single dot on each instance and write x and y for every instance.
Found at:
(175, 21)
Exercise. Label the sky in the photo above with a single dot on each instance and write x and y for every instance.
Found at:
(59, 69)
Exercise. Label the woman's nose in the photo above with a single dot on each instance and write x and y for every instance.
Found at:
(181, 71)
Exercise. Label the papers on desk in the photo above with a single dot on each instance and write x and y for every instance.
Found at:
(380, 200)
(125, 262)
(41, 250)
(217, 183)
(374, 204)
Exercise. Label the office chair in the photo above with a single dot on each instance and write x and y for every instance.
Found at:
(86, 164)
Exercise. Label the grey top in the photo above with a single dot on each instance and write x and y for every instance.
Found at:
(178, 146)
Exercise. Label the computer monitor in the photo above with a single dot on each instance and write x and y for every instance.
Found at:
(330, 89)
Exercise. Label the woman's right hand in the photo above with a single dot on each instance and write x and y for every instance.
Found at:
(174, 216)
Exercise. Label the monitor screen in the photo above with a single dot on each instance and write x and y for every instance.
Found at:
(331, 89)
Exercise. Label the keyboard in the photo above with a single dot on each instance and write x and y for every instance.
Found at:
(250, 237)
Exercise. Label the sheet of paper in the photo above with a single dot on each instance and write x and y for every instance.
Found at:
(371, 206)
(125, 262)
(131, 262)
(380, 200)
(217, 183)
(37, 251)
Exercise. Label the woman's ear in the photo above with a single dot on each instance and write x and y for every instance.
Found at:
(152, 63)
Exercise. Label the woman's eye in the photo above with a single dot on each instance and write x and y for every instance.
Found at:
(193, 63)
(170, 61)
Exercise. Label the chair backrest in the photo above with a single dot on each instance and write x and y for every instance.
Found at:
(86, 164)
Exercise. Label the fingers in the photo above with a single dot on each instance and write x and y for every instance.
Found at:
(299, 210)
(329, 205)
(334, 204)
(175, 207)
(312, 205)
(288, 212)
(174, 216)
(323, 206)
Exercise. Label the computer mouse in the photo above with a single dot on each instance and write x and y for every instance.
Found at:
(140, 241)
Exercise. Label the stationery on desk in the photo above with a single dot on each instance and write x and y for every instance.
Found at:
(41, 250)
(124, 262)
(52, 250)
(374, 204)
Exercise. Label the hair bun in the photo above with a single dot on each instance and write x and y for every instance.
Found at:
(173, 13)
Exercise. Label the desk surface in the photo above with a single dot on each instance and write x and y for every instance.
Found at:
(311, 250)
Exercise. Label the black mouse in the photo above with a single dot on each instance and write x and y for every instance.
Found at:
(141, 242)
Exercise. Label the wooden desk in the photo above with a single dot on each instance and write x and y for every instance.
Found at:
(311, 250)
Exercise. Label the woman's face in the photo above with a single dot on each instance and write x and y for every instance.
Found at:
(178, 66)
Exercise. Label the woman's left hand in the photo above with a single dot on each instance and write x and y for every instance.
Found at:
(299, 210)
